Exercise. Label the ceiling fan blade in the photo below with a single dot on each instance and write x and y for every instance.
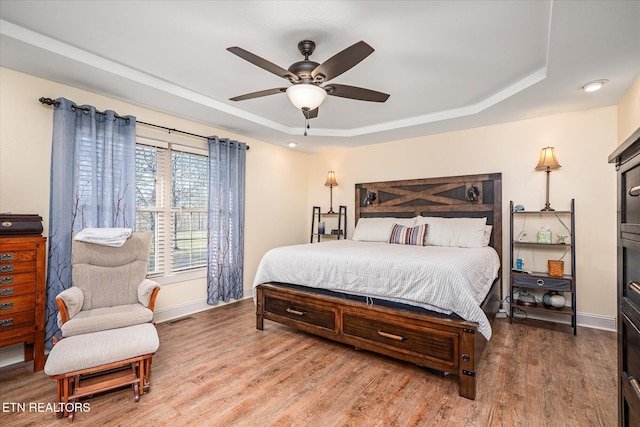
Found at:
(263, 63)
(312, 114)
(259, 94)
(353, 92)
(341, 62)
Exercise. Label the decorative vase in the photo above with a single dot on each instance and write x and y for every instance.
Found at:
(557, 301)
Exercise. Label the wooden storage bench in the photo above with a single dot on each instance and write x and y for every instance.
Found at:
(87, 364)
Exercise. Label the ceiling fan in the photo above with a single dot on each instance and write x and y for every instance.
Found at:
(308, 77)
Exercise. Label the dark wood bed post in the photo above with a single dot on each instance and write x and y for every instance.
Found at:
(497, 229)
(259, 316)
(467, 371)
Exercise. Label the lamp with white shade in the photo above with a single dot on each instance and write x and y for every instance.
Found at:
(331, 182)
(547, 162)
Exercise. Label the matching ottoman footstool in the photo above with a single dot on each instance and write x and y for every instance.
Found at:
(91, 363)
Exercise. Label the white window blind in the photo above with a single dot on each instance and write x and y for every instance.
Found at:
(172, 188)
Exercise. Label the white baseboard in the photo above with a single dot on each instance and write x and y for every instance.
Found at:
(186, 309)
(587, 320)
(597, 321)
(11, 354)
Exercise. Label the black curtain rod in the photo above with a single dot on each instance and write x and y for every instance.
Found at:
(49, 101)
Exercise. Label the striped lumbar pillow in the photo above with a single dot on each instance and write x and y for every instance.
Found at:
(408, 235)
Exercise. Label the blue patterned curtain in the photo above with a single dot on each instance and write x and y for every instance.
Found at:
(225, 252)
(92, 185)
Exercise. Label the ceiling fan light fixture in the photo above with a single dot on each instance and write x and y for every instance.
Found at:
(305, 95)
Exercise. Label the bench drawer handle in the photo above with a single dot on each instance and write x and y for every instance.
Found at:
(5, 280)
(540, 282)
(634, 191)
(296, 312)
(6, 257)
(392, 336)
(6, 322)
(635, 287)
(6, 291)
(6, 268)
(6, 306)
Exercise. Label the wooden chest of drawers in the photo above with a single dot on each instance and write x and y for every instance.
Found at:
(627, 160)
(22, 295)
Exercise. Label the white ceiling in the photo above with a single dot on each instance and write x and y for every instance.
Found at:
(448, 65)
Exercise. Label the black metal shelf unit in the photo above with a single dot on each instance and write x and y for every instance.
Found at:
(317, 224)
(561, 284)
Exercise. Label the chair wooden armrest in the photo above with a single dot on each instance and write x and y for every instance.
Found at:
(62, 307)
(152, 300)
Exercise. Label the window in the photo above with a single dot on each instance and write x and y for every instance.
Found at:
(171, 201)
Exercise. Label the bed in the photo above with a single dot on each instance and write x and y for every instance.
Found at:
(362, 292)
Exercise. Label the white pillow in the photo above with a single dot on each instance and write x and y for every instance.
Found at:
(454, 232)
(378, 229)
(487, 235)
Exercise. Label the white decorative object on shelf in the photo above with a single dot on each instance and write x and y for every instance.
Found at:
(557, 301)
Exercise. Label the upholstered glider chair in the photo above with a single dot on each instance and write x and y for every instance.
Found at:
(109, 287)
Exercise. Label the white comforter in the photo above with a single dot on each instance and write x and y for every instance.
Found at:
(438, 278)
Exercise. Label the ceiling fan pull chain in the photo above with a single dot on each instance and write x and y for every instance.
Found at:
(306, 121)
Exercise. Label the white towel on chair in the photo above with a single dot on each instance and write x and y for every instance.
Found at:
(114, 237)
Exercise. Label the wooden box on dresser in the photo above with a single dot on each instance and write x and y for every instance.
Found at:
(22, 295)
(627, 160)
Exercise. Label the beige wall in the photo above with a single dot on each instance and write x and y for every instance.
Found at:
(276, 204)
(583, 141)
(629, 112)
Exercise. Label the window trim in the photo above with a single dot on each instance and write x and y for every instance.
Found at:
(180, 276)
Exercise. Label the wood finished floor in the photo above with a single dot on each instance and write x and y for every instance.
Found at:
(216, 369)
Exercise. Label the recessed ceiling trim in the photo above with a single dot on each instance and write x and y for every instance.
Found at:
(43, 42)
(453, 113)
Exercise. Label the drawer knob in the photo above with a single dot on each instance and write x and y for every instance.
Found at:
(5, 280)
(6, 291)
(6, 268)
(6, 322)
(6, 306)
(296, 312)
(635, 287)
(6, 257)
(540, 282)
(634, 191)
(392, 336)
